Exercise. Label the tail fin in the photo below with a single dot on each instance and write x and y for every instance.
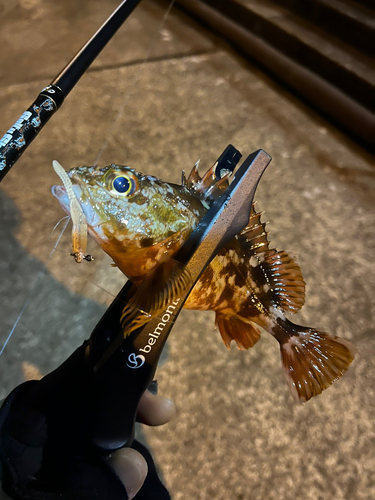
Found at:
(312, 360)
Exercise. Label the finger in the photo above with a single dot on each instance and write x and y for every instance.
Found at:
(155, 410)
(131, 468)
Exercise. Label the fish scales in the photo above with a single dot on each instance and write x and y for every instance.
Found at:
(142, 221)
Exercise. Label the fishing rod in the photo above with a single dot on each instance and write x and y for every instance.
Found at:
(17, 139)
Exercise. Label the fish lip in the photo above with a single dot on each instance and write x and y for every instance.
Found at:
(60, 193)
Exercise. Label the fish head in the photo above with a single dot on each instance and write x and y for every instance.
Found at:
(137, 219)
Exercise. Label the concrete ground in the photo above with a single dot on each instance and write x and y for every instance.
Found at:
(158, 98)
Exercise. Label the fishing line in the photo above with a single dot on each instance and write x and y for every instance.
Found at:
(55, 249)
(16, 322)
(40, 275)
(99, 286)
(56, 226)
(85, 278)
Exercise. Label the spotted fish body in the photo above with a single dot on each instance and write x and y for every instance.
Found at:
(141, 222)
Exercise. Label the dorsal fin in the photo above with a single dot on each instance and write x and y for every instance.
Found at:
(283, 275)
(287, 287)
(255, 233)
(207, 187)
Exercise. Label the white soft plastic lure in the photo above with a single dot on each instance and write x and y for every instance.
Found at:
(79, 231)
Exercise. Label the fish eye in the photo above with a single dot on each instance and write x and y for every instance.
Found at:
(122, 184)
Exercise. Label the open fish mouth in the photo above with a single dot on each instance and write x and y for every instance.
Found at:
(70, 196)
(60, 193)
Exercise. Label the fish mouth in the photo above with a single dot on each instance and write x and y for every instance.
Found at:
(60, 193)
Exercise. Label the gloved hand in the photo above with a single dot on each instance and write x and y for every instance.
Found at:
(133, 466)
(129, 464)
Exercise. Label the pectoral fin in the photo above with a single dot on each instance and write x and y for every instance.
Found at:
(169, 282)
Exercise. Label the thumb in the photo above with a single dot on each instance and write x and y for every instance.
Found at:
(131, 468)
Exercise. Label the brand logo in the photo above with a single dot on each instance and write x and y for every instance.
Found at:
(135, 361)
(153, 337)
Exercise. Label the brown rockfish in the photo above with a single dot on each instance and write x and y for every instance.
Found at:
(141, 222)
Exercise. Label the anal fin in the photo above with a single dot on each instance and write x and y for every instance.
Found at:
(233, 327)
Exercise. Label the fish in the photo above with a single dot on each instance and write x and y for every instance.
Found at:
(141, 222)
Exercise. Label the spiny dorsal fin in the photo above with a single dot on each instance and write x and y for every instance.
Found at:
(283, 274)
(194, 177)
(255, 233)
(207, 187)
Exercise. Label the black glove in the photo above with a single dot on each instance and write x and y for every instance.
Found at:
(45, 447)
